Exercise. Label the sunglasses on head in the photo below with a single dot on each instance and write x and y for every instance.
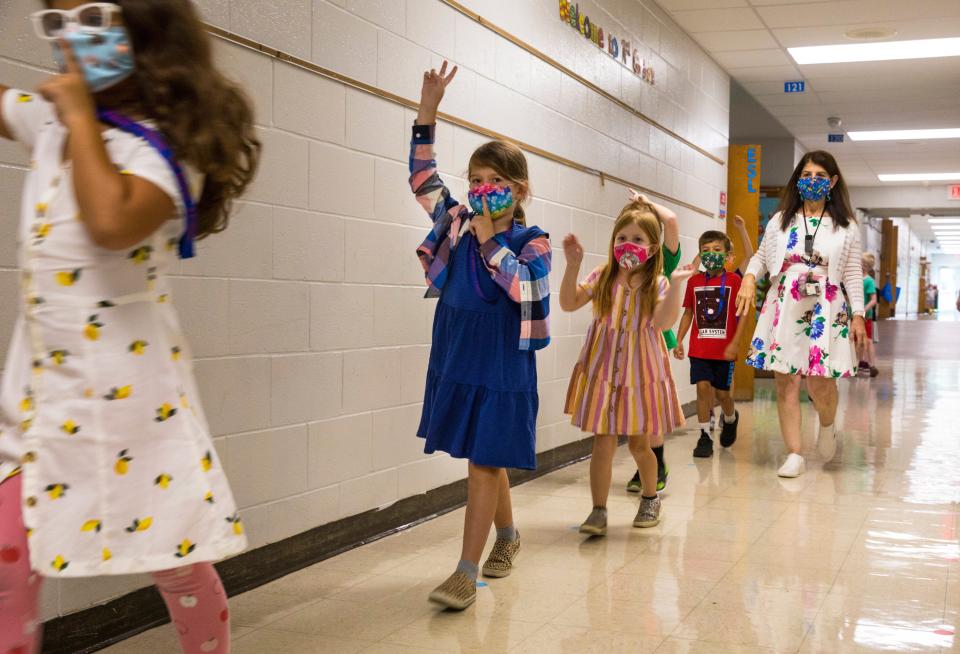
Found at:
(91, 18)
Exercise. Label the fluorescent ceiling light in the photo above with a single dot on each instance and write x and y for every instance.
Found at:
(882, 51)
(941, 221)
(919, 177)
(905, 134)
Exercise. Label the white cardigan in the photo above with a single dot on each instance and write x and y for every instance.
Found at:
(844, 261)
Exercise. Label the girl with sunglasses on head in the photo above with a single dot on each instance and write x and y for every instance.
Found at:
(139, 146)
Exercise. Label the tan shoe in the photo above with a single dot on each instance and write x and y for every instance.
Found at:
(596, 523)
(458, 592)
(500, 561)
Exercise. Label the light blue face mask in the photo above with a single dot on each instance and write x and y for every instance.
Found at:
(106, 57)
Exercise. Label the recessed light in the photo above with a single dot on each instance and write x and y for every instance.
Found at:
(919, 177)
(894, 134)
(884, 51)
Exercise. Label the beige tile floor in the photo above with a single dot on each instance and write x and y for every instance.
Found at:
(858, 556)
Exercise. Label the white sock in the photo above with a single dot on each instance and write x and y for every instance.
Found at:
(705, 426)
(729, 419)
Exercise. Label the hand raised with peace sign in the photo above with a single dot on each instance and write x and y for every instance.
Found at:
(68, 91)
(434, 86)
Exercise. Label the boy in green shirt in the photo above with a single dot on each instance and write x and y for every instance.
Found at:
(671, 259)
(867, 354)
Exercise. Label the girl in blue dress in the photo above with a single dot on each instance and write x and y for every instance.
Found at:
(489, 271)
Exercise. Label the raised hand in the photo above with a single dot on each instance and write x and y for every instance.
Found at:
(637, 196)
(681, 274)
(434, 86)
(68, 91)
(572, 250)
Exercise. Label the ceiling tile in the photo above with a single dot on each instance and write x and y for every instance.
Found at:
(683, 5)
(766, 74)
(855, 11)
(751, 58)
(717, 20)
(834, 33)
(736, 40)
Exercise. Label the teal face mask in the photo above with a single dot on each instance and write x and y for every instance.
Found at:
(713, 261)
(105, 57)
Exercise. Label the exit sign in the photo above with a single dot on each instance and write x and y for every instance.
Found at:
(954, 191)
(834, 138)
(798, 86)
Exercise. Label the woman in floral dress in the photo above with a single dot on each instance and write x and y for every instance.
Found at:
(813, 315)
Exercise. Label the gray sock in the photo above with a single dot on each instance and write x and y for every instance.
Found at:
(507, 533)
(468, 568)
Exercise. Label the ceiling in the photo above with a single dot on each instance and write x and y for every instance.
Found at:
(749, 39)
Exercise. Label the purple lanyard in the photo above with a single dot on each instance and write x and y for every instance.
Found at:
(723, 287)
(156, 140)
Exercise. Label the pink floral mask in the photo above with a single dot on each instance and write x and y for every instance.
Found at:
(630, 255)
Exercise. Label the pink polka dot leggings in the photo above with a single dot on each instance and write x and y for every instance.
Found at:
(194, 595)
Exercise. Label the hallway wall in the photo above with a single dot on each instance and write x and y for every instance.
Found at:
(306, 317)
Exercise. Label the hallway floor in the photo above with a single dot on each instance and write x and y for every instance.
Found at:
(858, 556)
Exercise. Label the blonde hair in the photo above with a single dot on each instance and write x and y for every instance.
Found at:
(508, 162)
(869, 261)
(645, 217)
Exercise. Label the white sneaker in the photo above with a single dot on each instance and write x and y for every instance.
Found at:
(827, 442)
(794, 466)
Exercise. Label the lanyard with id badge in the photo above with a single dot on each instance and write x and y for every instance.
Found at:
(811, 287)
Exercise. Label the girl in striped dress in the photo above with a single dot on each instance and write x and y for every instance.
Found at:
(621, 384)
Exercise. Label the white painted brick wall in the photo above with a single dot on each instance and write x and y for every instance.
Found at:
(306, 317)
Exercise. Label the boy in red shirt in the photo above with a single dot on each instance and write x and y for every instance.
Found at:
(709, 304)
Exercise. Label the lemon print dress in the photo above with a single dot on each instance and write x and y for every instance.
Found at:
(98, 407)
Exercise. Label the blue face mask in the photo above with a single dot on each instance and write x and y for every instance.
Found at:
(813, 189)
(106, 58)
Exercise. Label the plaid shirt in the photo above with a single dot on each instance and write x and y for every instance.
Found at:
(523, 277)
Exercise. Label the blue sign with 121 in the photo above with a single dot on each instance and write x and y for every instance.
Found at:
(794, 87)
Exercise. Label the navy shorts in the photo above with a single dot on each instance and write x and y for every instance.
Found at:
(718, 373)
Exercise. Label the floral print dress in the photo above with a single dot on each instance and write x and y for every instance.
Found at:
(803, 335)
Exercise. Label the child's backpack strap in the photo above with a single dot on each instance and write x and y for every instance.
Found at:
(159, 143)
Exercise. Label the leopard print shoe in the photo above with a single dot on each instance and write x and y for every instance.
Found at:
(458, 592)
(500, 561)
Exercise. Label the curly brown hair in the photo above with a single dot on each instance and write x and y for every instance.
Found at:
(207, 119)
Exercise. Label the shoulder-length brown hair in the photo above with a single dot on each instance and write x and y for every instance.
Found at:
(645, 217)
(509, 162)
(838, 199)
(207, 119)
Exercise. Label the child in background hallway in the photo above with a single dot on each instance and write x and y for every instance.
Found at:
(621, 384)
(868, 357)
(709, 308)
(490, 272)
(671, 259)
(106, 460)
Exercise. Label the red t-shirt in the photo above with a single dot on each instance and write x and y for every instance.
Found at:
(714, 315)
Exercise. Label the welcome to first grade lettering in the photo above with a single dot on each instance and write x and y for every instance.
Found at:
(620, 49)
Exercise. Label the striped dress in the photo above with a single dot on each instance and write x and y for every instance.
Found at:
(622, 382)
